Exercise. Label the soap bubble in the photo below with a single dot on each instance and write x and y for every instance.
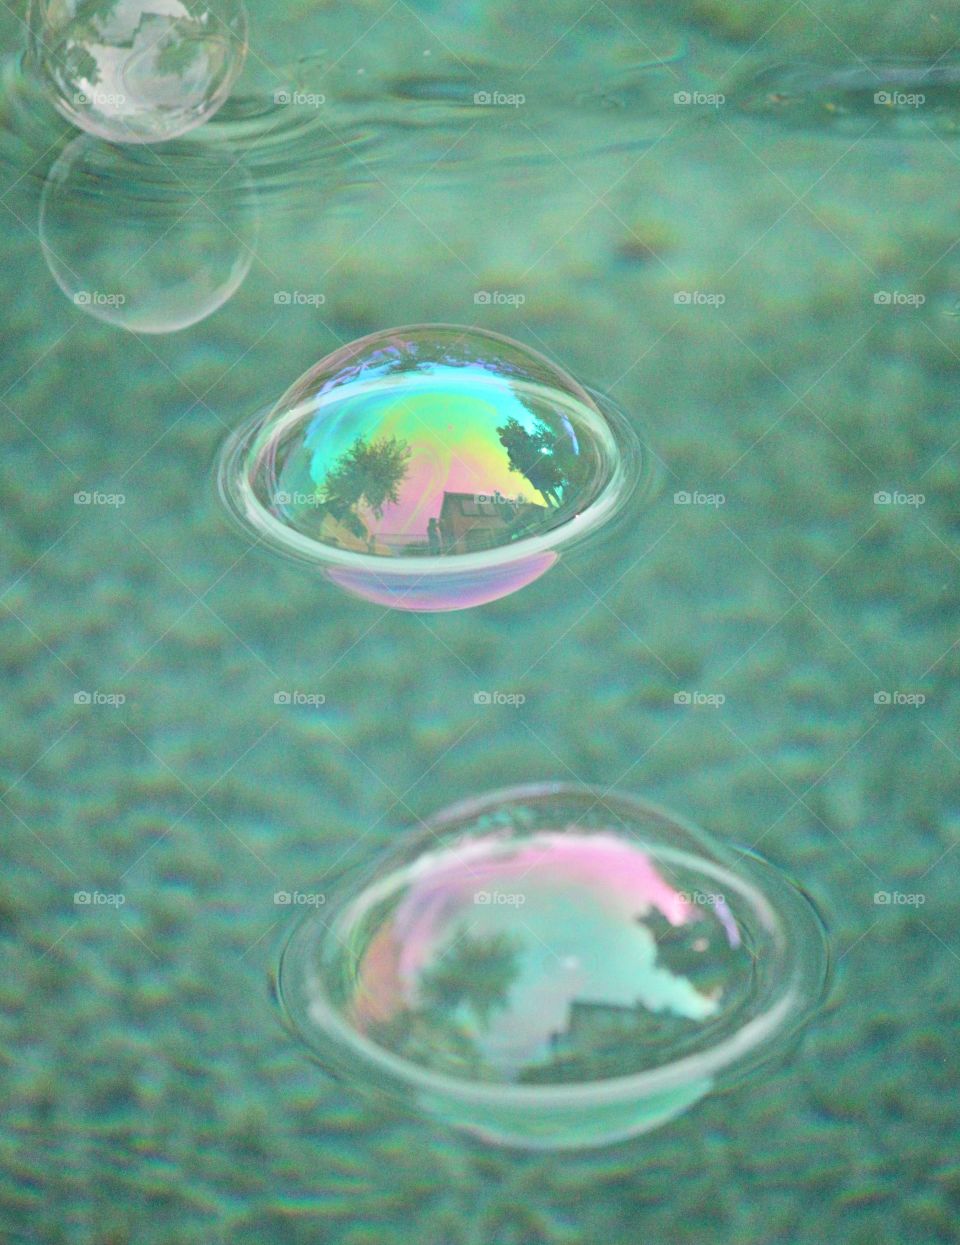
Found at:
(430, 468)
(148, 243)
(137, 71)
(552, 967)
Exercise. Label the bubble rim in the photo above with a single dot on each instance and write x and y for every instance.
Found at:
(791, 1003)
(238, 497)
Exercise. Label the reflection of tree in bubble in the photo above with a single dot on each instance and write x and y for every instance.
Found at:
(367, 476)
(548, 458)
(138, 71)
(457, 997)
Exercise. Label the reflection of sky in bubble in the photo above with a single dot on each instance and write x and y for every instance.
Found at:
(135, 71)
(568, 948)
(419, 453)
(431, 467)
(449, 419)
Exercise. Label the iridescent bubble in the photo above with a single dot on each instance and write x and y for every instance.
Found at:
(138, 71)
(147, 242)
(431, 467)
(552, 967)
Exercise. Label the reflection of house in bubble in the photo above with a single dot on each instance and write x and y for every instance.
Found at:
(472, 521)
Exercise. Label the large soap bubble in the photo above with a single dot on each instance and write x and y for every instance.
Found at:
(550, 967)
(431, 467)
(138, 71)
(147, 242)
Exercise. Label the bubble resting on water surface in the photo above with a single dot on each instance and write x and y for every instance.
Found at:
(553, 967)
(430, 467)
(148, 242)
(137, 71)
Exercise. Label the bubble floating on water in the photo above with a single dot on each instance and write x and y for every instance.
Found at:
(432, 467)
(148, 242)
(552, 967)
(137, 71)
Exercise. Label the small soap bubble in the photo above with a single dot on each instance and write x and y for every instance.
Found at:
(430, 468)
(554, 967)
(148, 242)
(137, 71)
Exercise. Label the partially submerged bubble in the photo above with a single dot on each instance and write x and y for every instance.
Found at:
(430, 467)
(147, 242)
(137, 71)
(552, 967)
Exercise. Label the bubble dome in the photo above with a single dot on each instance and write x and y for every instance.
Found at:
(551, 967)
(137, 71)
(147, 242)
(432, 467)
